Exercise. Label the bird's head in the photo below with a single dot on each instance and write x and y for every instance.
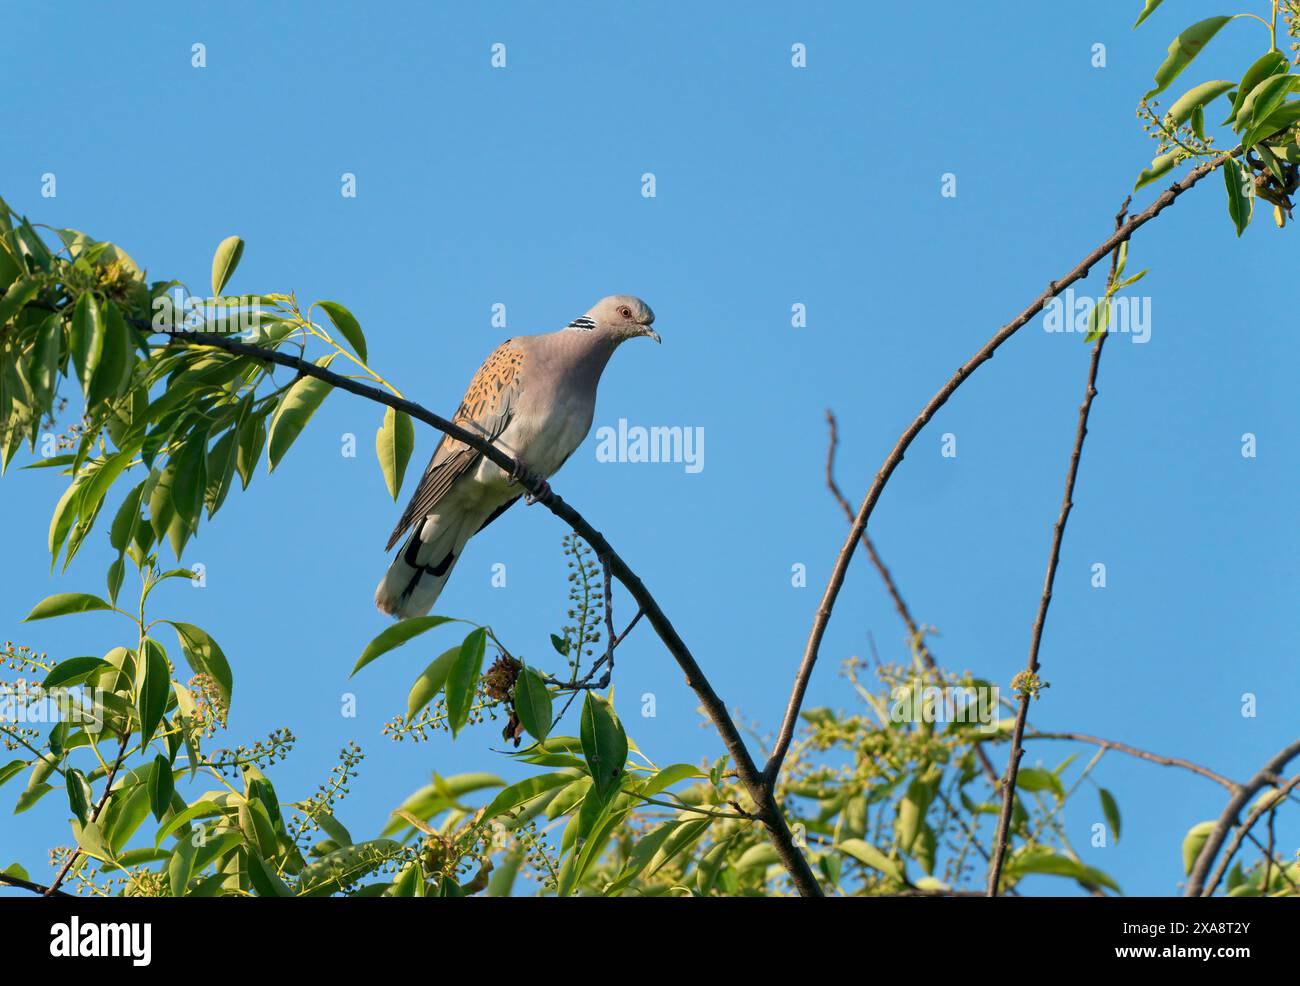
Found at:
(619, 317)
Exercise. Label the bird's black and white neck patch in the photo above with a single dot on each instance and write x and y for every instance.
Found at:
(582, 324)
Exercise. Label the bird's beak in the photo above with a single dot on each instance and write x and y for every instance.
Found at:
(652, 334)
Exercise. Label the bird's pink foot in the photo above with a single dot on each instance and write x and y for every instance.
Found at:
(520, 473)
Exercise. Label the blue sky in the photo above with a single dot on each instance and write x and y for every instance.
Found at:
(775, 186)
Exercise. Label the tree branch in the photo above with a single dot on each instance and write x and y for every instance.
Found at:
(747, 770)
(1268, 774)
(836, 580)
(913, 629)
(1133, 751)
(1029, 687)
(36, 888)
(53, 888)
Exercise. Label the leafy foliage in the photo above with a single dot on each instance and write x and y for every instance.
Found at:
(891, 797)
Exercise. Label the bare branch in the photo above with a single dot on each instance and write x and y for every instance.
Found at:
(1133, 751)
(36, 888)
(895, 457)
(1267, 807)
(1197, 885)
(1029, 686)
(53, 888)
(913, 628)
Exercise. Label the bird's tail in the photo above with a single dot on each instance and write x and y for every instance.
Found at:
(415, 579)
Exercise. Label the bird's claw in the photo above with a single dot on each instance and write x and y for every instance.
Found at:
(519, 474)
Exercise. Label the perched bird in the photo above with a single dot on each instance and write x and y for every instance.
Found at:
(534, 399)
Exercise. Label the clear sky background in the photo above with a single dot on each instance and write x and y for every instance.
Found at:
(775, 186)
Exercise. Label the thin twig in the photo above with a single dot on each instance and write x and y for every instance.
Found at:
(94, 815)
(1029, 683)
(895, 457)
(1133, 751)
(36, 888)
(1197, 885)
(913, 629)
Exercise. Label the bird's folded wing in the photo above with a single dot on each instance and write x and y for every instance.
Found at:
(486, 409)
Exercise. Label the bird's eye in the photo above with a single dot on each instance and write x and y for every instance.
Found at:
(625, 312)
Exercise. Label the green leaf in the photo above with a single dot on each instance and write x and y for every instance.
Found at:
(200, 809)
(1241, 194)
(435, 798)
(90, 839)
(1147, 11)
(1183, 49)
(1263, 98)
(161, 785)
(252, 436)
(155, 687)
(345, 866)
(394, 442)
(224, 262)
(116, 358)
(604, 745)
(30, 796)
(64, 603)
(1195, 98)
(667, 777)
(116, 573)
(265, 880)
(10, 770)
(1037, 779)
(1110, 809)
(347, 324)
(220, 470)
(1045, 860)
(44, 373)
(533, 703)
(295, 409)
(644, 851)
(1194, 842)
(20, 292)
(203, 655)
(87, 339)
(73, 671)
(682, 838)
(523, 792)
(65, 512)
(1160, 166)
(1098, 319)
(80, 796)
(462, 679)
(180, 867)
(190, 480)
(1280, 119)
(396, 635)
(1270, 63)
(430, 682)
